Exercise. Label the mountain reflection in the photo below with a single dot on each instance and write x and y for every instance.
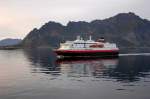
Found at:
(131, 68)
(43, 61)
(124, 68)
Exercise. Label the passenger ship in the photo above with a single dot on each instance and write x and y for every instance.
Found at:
(87, 48)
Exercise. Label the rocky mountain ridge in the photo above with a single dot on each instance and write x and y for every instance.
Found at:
(125, 29)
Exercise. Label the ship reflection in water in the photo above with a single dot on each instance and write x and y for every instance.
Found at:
(87, 67)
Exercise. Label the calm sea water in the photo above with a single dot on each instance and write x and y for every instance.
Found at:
(37, 74)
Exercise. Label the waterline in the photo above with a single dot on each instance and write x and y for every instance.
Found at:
(135, 54)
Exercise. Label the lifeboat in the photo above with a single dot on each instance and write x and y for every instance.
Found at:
(97, 46)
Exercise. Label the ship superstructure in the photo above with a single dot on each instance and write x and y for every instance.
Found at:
(80, 47)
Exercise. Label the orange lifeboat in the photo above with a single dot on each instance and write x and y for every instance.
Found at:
(97, 45)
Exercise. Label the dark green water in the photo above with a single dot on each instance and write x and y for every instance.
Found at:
(36, 74)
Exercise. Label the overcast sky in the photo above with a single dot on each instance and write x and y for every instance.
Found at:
(18, 17)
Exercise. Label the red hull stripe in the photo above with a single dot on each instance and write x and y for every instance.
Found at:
(85, 51)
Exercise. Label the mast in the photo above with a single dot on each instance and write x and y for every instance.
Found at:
(90, 37)
(78, 37)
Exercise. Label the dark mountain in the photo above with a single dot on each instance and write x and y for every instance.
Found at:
(10, 42)
(125, 29)
(47, 35)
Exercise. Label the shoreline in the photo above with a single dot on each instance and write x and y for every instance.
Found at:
(48, 47)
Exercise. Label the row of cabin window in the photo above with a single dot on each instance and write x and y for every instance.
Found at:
(81, 45)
